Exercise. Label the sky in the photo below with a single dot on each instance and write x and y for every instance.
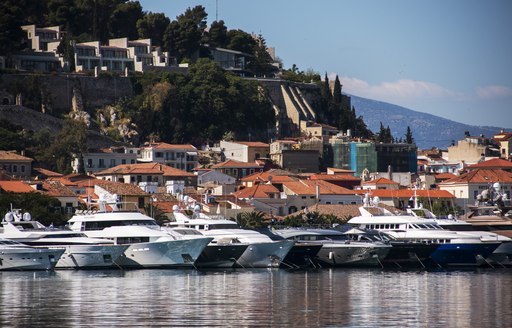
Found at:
(452, 59)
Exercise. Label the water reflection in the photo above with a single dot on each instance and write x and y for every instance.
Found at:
(256, 298)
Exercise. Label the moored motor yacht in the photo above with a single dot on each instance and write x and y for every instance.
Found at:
(147, 245)
(337, 248)
(80, 251)
(261, 252)
(217, 254)
(455, 248)
(403, 254)
(502, 255)
(17, 256)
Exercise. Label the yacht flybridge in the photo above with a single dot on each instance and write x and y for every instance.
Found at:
(455, 248)
(147, 245)
(79, 251)
(261, 250)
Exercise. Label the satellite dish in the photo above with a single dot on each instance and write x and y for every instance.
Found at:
(496, 186)
(175, 208)
(376, 200)
(27, 216)
(8, 217)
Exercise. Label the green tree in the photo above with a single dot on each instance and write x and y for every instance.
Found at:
(241, 41)
(70, 141)
(251, 220)
(183, 36)
(408, 136)
(218, 34)
(42, 208)
(152, 26)
(261, 63)
(123, 20)
(11, 34)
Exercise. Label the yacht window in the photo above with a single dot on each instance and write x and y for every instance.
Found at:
(386, 226)
(132, 240)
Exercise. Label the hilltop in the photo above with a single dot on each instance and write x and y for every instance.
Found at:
(428, 130)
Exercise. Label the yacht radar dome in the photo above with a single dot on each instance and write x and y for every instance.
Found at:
(27, 216)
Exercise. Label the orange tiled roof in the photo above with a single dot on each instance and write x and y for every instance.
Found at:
(334, 169)
(278, 174)
(408, 193)
(120, 188)
(492, 163)
(230, 163)
(11, 155)
(334, 177)
(252, 143)
(481, 176)
(56, 188)
(380, 181)
(15, 186)
(505, 136)
(257, 191)
(144, 168)
(308, 187)
(444, 176)
(164, 145)
(46, 172)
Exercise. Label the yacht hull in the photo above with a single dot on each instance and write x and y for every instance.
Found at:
(29, 258)
(463, 254)
(302, 255)
(161, 254)
(265, 255)
(220, 256)
(350, 254)
(404, 254)
(502, 255)
(90, 256)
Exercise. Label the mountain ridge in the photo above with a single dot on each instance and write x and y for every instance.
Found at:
(428, 130)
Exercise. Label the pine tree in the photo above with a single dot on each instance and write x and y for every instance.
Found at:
(408, 136)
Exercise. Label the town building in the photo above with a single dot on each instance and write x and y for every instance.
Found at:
(468, 186)
(290, 155)
(180, 156)
(237, 169)
(244, 151)
(504, 140)
(473, 149)
(14, 164)
(100, 159)
(160, 174)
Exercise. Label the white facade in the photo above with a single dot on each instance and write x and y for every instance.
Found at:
(215, 177)
(183, 157)
(106, 158)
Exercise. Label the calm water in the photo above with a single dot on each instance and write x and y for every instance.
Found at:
(256, 298)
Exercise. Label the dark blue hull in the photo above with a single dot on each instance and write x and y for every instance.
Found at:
(463, 254)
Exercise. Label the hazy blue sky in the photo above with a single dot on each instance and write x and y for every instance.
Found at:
(451, 58)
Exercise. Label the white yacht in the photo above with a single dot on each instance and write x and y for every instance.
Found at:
(215, 254)
(337, 248)
(148, 245)
(455, 248)
(80, 251)
(16, 256)
(261, 252)
(483, 222)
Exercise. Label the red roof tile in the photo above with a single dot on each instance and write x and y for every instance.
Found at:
(252, 143)
(235, 164)
(144, 168)
(11, 155)
(15, 186)
(492, 163)
(164, 145)
(407, 193)
(308, 187)
(257, 191)
(481, 176)
(380, 181)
